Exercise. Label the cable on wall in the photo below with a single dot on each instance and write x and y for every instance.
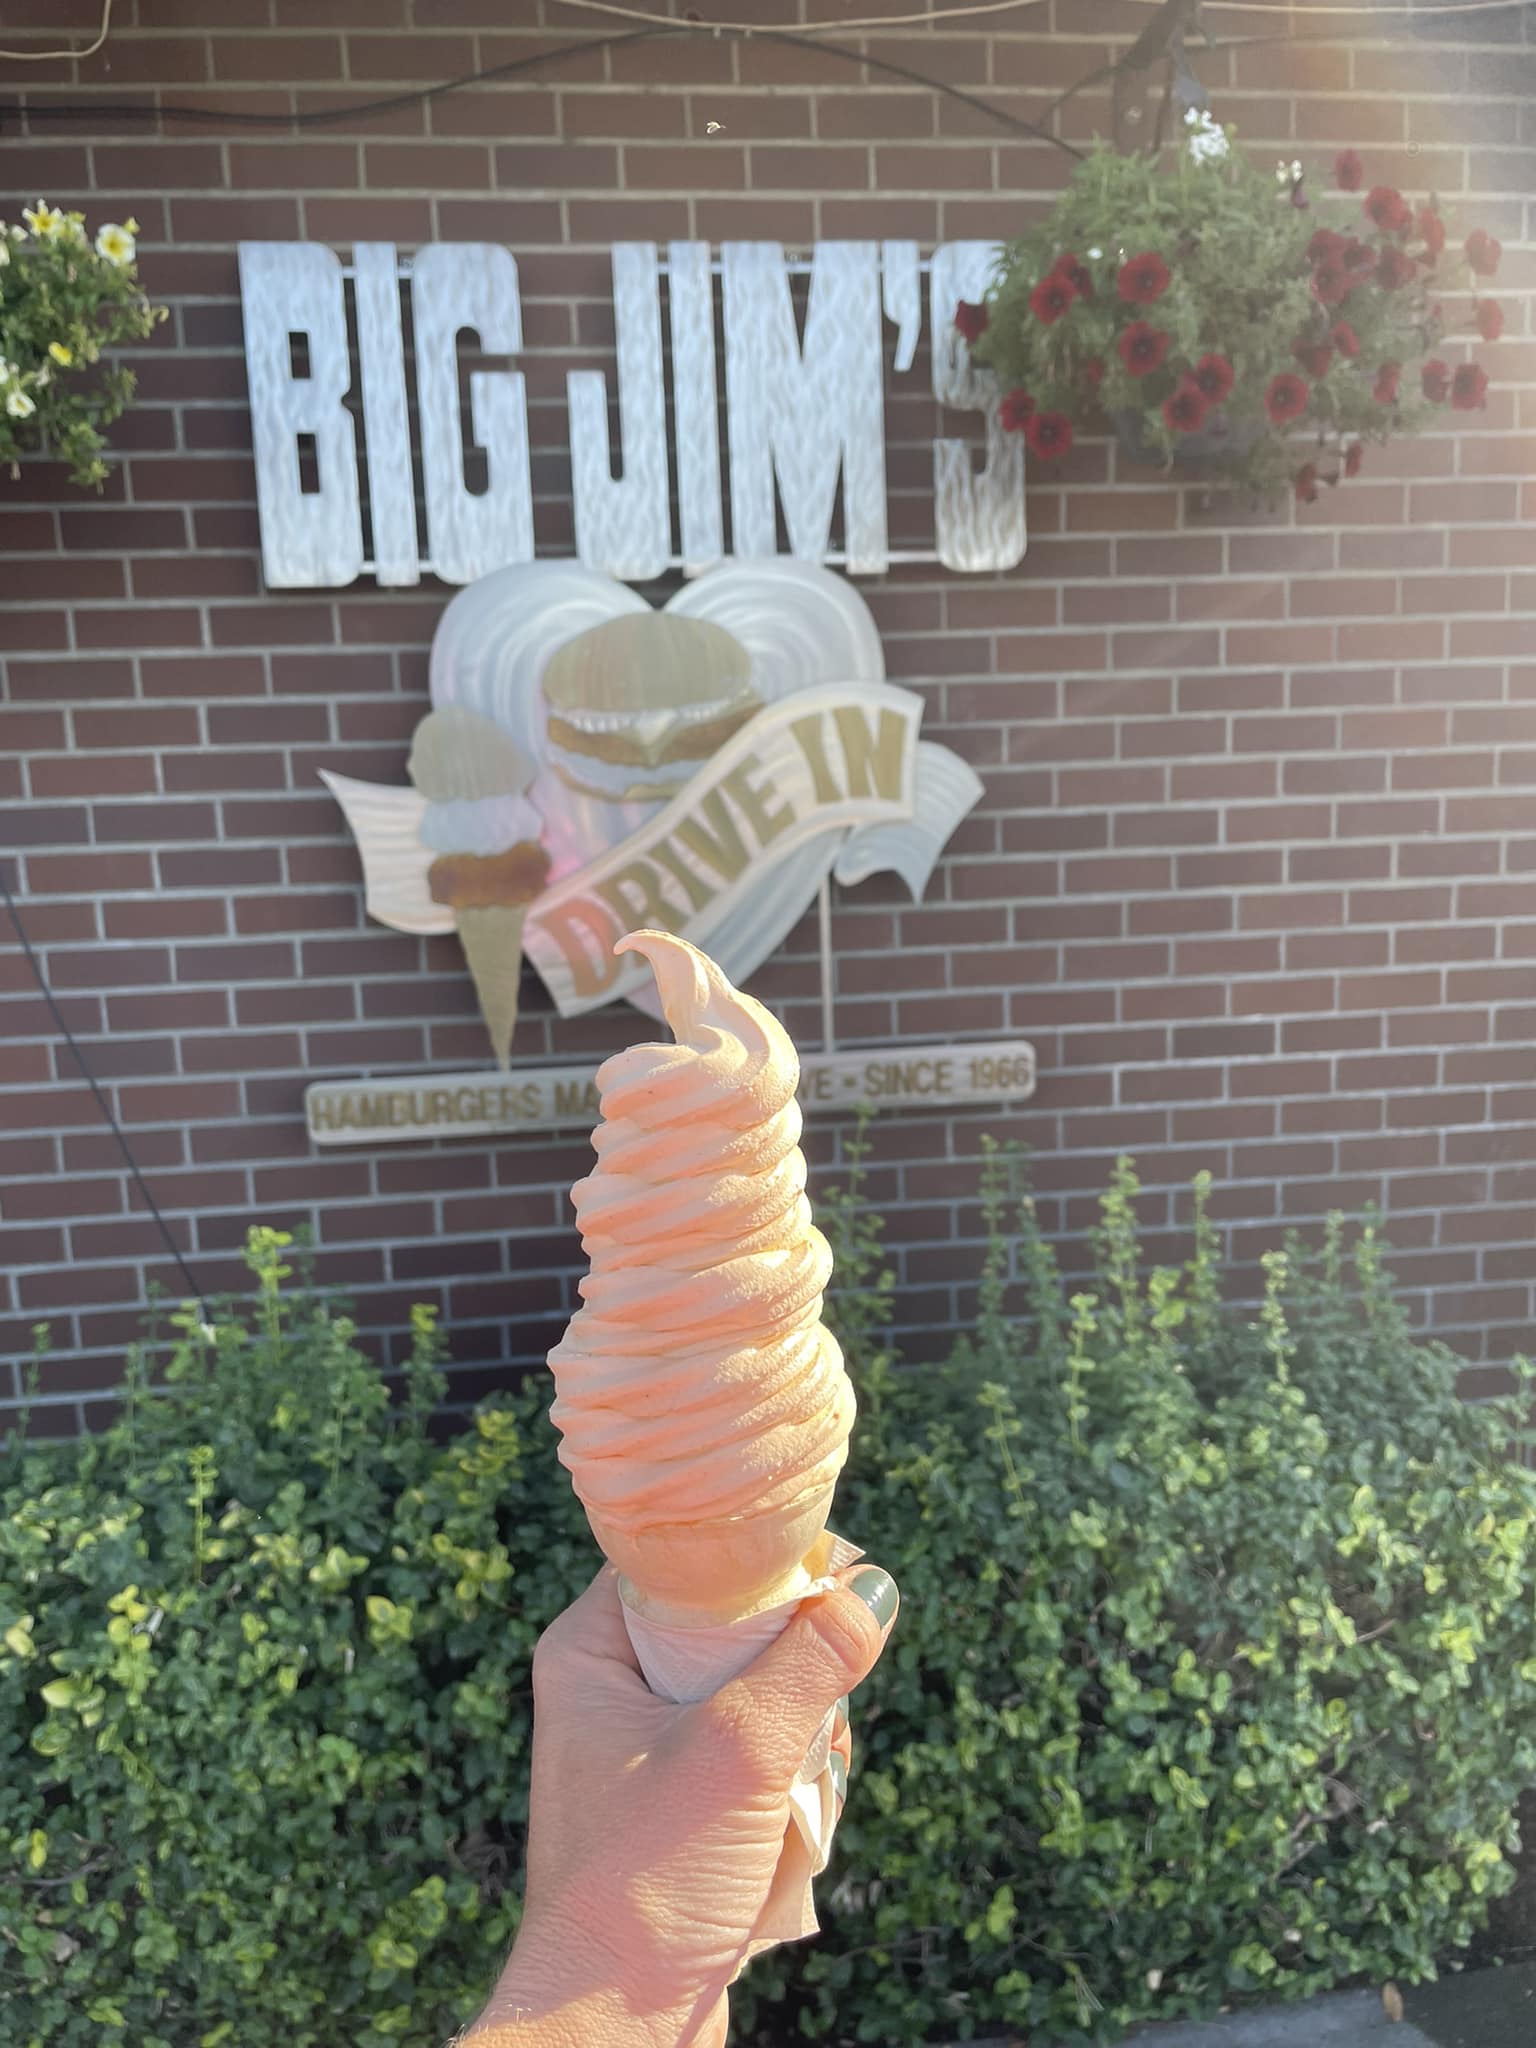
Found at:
(66, 110)
(102, 1102)
(54, 56)
(970, 9)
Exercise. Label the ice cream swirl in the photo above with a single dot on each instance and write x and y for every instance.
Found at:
(696, 1384)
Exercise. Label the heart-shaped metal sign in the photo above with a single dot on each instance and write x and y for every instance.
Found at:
(592, 764)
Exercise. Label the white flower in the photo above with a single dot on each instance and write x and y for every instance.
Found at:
(1282, 175)
(115, 243)
(1095, 254)
(1208, 144)
(19, 406)
(42, 219)
(5, 249)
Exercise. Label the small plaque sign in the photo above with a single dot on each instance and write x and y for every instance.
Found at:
(497, 1104)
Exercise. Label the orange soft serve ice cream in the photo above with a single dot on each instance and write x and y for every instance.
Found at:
(703, 1406)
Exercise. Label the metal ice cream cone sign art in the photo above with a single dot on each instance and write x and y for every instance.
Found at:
(592, 766)
(489, 864)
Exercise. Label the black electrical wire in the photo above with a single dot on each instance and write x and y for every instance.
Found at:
(102, 1103)
(69, 110)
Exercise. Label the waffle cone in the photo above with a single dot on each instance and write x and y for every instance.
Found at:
(493, 946)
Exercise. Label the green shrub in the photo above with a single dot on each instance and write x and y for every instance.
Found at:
(1216, 1673)
(264, 1696)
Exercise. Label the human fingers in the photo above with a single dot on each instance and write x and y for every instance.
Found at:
(775, 1708)
(591, 1628)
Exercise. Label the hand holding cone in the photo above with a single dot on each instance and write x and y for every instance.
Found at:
(703, 1406)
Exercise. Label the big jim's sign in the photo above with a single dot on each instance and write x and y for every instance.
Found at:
(589, 764)
(804, 413)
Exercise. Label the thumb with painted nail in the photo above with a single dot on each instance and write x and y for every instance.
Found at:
(776, 1708)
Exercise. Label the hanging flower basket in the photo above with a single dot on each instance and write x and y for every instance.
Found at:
(1199, 309)
(64, 300)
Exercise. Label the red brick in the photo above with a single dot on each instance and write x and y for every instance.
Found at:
(280, 58)
(1404, 991)
(1166, 650)
(170, 917)
(1232, 600)
(89, 775)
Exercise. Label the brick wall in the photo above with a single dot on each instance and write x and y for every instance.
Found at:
(1256, 865)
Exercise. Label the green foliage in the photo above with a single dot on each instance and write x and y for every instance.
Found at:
(264, 1694)
(64, 300)
(1216, 1673)
(1242, 287)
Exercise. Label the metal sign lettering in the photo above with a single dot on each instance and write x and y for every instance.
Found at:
(566, 1098)
(805, 418)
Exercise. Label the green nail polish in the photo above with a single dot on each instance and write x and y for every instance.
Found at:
(877, 1589)
(839, 1775)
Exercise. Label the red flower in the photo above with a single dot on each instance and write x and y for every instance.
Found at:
(1306, 483)
(1144, 279)
(1431, 233)
(1384, 390)
(1213, 377)
(1483, 252)
(1286, 398)
(1389, 210)
(1185, 411)
(1348, 171)
(1354, 456)
(971, 320)
(1051, 297)
(1331, 284)
(1327, 246)
(1489, 318)
(1093, 372)
(1468, 386)
(1313, 356)
(1048, 433)
(1435, 377)
(1015, 411)
(1345, 339)
(1393, 268)
(1142, 348)
(1077, 274)
(1358, 256)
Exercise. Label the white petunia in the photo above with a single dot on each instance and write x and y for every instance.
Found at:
(42, 219)
(1208, 144)
(115, 243)
(19, 406)
(1095, 254)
